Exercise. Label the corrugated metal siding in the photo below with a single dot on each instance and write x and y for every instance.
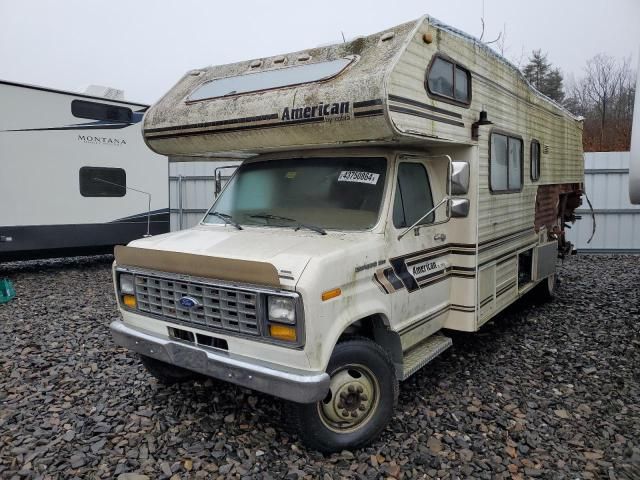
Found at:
(617, 221)
(196, 181)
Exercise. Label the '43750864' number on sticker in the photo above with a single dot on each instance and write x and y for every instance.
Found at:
(358, 177)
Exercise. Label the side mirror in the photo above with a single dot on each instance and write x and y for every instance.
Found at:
(458, 207)
(459, 178)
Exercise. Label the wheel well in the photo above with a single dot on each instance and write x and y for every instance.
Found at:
(376, 328)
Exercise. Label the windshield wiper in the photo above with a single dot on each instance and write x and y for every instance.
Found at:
(299, 225)
(321, 231)
(226, 219)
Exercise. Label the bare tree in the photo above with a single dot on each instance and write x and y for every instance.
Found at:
(604, 82)
(604, 96)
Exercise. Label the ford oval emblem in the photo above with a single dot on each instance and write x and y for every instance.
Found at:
(188, 302)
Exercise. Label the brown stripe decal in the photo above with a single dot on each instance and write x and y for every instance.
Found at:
(217, 123)
(368, 113)
(506, 288)
(367, 103)
(504, 238)
(269, 120)
(424, 321)
(504, 256)
(415, 103)
(486, 300)
(416, 113)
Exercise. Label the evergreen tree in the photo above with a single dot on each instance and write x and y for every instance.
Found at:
(546, 79)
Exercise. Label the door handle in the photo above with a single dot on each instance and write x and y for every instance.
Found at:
(439, 237)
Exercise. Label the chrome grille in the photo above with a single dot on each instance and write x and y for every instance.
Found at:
(218, 308)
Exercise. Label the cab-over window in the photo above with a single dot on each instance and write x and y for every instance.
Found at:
(449, 80)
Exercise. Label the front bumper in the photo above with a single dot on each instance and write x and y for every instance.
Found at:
(289, 383)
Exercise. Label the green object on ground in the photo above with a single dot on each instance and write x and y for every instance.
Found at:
(7, 292)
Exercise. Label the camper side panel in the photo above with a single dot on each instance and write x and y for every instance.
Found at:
(50, 160)
(507, 225)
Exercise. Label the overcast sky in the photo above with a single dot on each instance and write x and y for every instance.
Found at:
(144, 46)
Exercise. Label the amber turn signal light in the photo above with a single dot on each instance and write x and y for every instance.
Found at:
(329, 294)
(129, 301)
(283, 332)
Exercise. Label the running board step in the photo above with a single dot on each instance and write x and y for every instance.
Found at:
(423, 353)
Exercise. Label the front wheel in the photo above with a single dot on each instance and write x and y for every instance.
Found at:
(363, 392)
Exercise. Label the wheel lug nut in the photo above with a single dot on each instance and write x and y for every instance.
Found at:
(351, 389)
(361, 407)
(345, 413)
(354, 414)
(340, 404)
(360, 389)
(364, 397)
(343, 396)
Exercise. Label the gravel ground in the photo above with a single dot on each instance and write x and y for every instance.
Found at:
(549, 392)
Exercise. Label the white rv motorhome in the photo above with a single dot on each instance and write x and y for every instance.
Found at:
(72, 171)
(401, 184)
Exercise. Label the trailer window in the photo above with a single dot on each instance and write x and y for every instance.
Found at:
(102, 182)
(447, 79)
(270, 79)
(505, 165)
(413, 196)
(535, 160)
(100, 111)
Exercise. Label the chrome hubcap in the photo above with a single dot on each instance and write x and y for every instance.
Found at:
(352, 398)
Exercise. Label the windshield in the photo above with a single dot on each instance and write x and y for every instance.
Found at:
(333, 193)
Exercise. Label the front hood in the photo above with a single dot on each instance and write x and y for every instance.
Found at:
(287, 250)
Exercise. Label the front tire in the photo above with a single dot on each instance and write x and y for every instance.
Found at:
(362, 395)
(166, 373)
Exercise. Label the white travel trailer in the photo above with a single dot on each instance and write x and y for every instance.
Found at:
(403, 183)
(73, 171)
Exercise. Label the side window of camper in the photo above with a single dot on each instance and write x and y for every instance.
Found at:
(449, 80)
(100, 111)
(103, 182)
(535, 160)
(413, 196)
(505, 165)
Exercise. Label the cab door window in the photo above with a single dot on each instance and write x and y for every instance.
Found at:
(413, 196)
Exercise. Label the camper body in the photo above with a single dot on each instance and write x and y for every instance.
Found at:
(55, 147)
(418, 184)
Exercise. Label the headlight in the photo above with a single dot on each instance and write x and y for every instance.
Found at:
(281, 309)
(126, 284)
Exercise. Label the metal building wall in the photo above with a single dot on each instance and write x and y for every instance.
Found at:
(617, 221)
(192, 190)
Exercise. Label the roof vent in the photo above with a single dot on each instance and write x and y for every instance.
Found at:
(279, 59)
(303, 57)
(256, 64)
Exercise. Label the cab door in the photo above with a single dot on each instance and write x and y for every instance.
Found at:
(418, 262)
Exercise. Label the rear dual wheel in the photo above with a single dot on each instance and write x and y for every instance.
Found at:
(363, 392)
(545, 291)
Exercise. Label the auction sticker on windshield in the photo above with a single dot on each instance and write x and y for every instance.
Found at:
(358, 177)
